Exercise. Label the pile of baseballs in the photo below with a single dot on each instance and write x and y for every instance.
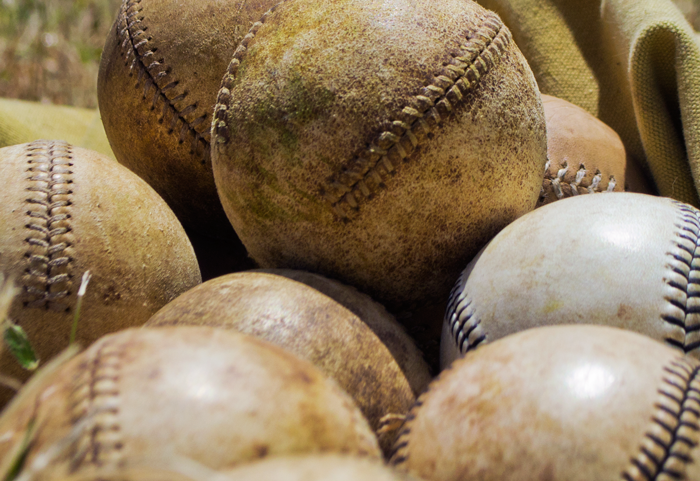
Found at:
(405, 275)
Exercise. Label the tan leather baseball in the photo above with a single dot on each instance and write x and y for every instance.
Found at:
(559, 403)
(584, 154)
(160, 71)
(621, 259)
(66, 210)
(380, 143)
(375, 316)
(370, 356)
(216, 397)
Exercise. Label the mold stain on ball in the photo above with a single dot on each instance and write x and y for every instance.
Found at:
(347, 133)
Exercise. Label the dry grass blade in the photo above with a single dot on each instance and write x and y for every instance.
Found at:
(8, 291)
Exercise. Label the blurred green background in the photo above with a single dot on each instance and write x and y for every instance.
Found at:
(50, 49)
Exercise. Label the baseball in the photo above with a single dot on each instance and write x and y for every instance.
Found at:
(377, 143)
(559, 403)
(67, 210)
(358, 352)
(375, 316)
(584, 155)
(161, 68)
(215, 397)
(623, 260)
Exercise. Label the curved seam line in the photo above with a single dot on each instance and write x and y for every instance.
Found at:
(557, 180)
(463, 323)
(363, 174)
(47, 282)
(129, 10)
(434, 101)
(94, 403)
(680, 413)
(690, 217)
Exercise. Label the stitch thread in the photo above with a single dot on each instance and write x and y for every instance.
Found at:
(223, 99)
(399, 452)
(675, 428)
(364, 175)
(95, 399)
(465, 326)
(557, 182)
(47, 280)
(683, 282)
(157, 76)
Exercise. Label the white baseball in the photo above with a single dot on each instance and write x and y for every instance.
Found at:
(621, 259)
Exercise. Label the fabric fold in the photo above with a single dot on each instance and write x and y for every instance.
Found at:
(634, 65)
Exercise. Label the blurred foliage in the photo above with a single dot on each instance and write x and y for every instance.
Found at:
(50, 49)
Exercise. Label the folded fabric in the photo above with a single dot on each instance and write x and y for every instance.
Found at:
(635, 64)
(22, 121)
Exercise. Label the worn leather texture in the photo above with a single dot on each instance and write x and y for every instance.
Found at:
(162, 397)
(355, 350)
(558, 403)
(632, 64)
(584, 156)
(160, 71)
(67, 210)
(378, 143)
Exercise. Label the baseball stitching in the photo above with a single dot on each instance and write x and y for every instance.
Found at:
(157, 75)
(683, 282)
(47, 281)
(675, 428)
(665, 450)
(219, 121)
(399, 452)
(364, 175)
(94, 401)
(465, 326)
(556, 182)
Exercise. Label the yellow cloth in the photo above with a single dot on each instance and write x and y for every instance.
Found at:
(635, 64)
(22, 121)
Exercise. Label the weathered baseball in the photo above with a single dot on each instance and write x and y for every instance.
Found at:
(371, 357)
(624, 260)
(378, 143)
(559, 403)
(375, 316)
(422, 324)
(319, 467)
(161, 67)
(66, 210)
(584, 154)
(216, 397)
